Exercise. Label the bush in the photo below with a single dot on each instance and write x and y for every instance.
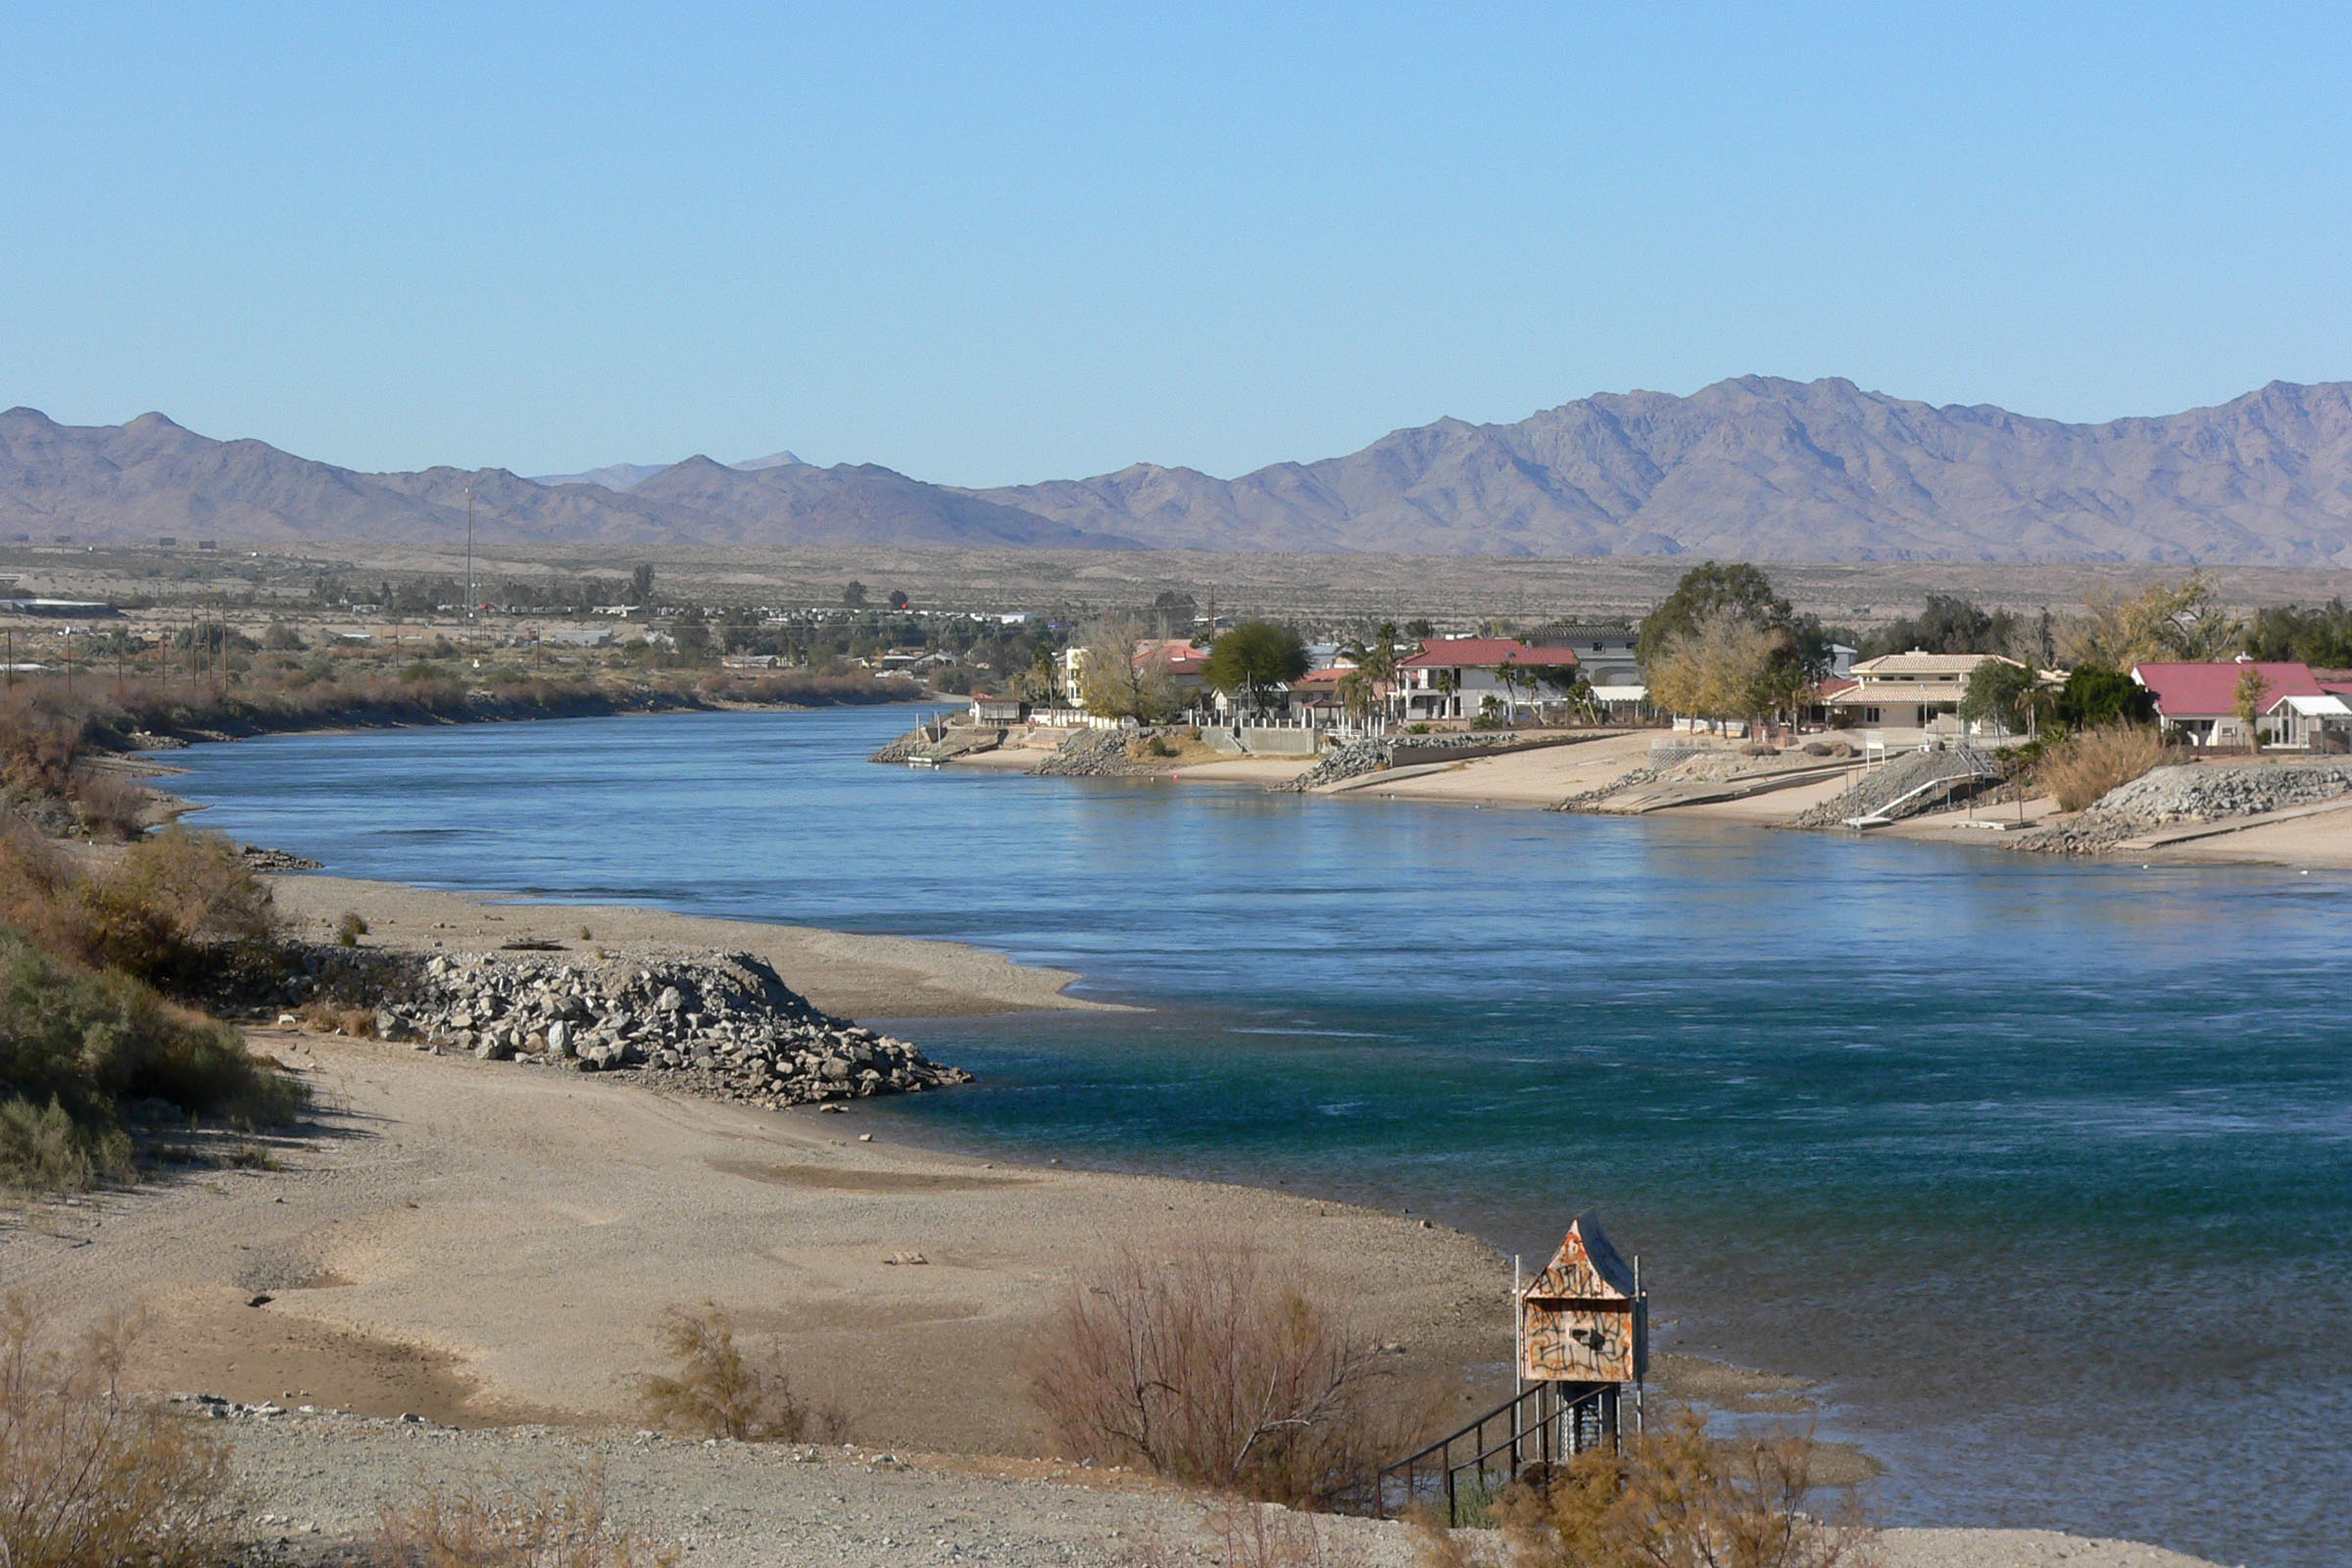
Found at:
(77, 1048)
(167, 913)
(1666, 1498)
(549, 1528)
(1203, 1366)
(717, 1393)
(91, 1477)
(2080, 768)
(351, 928)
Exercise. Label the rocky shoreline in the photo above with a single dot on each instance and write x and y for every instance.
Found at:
(721, 1024)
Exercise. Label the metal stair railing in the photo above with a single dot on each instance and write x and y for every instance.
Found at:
(1542, 1426)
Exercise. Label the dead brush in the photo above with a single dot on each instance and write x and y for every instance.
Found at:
(91, 1477)
(1673, 1496)
(1203, 1365)
(717, 1392)
(556, 1526)
(329, 1017)
(2080, 768)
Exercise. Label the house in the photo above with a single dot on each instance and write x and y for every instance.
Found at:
(2297, 710)
(1913, 691)
(1606, 653)
(1454, 677)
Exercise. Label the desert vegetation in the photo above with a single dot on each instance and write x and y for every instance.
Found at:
(2086, 765)
(90, 1039)
(1674, 1497)
(92, 1476)
(1205, 1364)
(716, 1389)
(563, 1524)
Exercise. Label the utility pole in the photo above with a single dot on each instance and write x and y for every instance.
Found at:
(469, 555)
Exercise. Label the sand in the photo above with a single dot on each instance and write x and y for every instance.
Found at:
(483, 1242)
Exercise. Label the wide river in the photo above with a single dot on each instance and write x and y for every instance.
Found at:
(2044, 1170)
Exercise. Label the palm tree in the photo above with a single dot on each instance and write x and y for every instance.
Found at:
(1375, 656)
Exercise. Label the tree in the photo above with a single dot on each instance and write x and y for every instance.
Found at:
(1714, 670)
(2168, 620)
(1252, 658)
(1172, 613)
(853, 594)
(1376, 658)
(2000, 692)
(1709, 590)
(1949, 626)
(2248, 701)
(1118, 678)
(2096, 697)
(691, 632)
(641, 585)
(1420, 628)
(899, 599)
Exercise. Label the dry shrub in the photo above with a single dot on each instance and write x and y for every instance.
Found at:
(89, 1476)
(329, 1017)
(107, 805)
(719, 1392)
(553, 1527)
(2083, 766)
(1203, 1365)
(1668, 1498)
(167, 913)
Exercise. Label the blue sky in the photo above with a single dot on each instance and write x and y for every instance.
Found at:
(991, 244)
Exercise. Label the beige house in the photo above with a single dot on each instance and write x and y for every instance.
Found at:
(1913, 691)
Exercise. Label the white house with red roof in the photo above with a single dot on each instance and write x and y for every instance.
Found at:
(1455, 677)
(2296, 709)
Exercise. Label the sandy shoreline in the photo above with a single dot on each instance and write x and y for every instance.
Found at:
(1539, 780)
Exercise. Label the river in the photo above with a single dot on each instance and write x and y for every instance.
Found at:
(2042, 1170)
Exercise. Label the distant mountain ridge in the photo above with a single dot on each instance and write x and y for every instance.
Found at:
(1756, 467)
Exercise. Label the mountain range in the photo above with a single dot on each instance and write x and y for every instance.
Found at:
(1754, 467)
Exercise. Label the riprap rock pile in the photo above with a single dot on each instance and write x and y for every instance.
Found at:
(724, 1023)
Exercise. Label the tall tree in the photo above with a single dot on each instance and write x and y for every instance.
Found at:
(1118, 678)
(1711, 589)
(1253, 657)
(1714, 670)
(2168, 620)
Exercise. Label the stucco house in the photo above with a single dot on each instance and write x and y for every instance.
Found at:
(1452, 677)
(1913, 691)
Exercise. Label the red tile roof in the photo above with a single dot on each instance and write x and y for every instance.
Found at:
(1324, 677)
(2210, 691)
(1485, 653)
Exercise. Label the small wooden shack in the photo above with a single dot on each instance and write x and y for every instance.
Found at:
(1583, 1320)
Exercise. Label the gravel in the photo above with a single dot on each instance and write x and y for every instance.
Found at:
(1879, 791)
(315, 1482)
(2166, 797)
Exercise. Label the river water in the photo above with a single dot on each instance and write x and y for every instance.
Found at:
(2044, 1170)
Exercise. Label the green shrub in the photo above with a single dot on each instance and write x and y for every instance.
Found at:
(79, 1047)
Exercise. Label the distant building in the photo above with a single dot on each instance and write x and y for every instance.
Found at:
(2297, 709)
(1913, 691)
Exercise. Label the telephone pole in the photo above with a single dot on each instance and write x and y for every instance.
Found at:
(469, 555)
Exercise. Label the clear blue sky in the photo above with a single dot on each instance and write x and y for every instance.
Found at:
(988, 244)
